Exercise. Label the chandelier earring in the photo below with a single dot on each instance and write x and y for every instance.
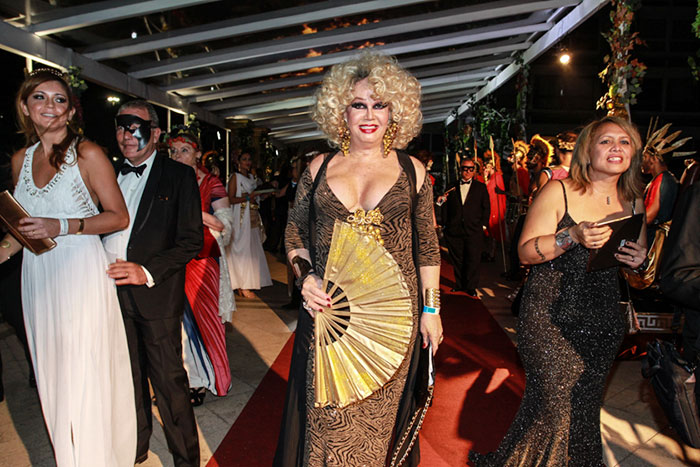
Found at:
(389, 137)
(345, 140)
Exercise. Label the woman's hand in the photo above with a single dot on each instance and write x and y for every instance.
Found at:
(590, 235)
(314, 298)
(39, 227)
(212, 222)
(632, 254)
(431, 330)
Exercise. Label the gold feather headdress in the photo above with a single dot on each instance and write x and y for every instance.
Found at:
(545, 148)
(520, 150)
(659, 143)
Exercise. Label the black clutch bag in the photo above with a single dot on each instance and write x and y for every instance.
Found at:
(625, 229)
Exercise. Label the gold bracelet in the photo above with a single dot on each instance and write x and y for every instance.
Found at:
(81, 226)
(432, 298)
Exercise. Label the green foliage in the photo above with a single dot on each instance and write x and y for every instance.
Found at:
(622, 75)
(77, 84)
(694, 67)
(496, 123)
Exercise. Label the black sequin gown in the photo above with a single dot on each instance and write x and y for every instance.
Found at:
(569, 333)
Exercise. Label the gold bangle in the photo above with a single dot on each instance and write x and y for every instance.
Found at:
(81, 226)
(432, 298)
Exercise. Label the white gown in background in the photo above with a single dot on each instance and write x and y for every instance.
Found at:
(247, 264)
(75, 330)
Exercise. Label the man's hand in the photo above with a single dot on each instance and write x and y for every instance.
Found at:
(127, 273)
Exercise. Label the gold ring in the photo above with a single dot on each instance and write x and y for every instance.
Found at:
(441, 339)
(127, 274)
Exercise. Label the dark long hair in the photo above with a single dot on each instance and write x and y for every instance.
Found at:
(26, 126)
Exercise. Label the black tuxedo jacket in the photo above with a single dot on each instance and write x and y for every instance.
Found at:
(166, 235)
(469, 218)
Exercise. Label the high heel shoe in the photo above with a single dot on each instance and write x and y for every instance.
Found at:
(197, 396)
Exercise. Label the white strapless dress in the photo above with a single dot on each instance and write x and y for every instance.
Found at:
(75, 330)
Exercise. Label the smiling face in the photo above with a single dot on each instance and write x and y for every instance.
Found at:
(128, 141)
(367, 117)
(611, 150)
(48, 106)
(184, 153)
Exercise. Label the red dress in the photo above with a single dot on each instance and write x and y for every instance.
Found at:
(497, 224)
(202, 290)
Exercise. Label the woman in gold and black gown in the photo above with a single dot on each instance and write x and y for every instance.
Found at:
(364, 432)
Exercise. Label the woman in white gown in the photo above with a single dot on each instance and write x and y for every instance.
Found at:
(246, 259)
(74, 326)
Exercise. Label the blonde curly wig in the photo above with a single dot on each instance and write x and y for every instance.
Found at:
(391, 84)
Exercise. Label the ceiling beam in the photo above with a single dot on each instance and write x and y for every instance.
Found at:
(305, 136)
(578, 15)
(89, 14)
(288, 104)
(244, 89)
(475, 65)
(415, 45)
(452, 57)
(37, 48)
(300, 125)
(309, 91)
(256, 99)
(454, 86)
(351, 34)
(434, 118)
(247, 25)
(278, 114)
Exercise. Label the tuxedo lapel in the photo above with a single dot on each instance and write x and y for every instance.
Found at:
(148, 196)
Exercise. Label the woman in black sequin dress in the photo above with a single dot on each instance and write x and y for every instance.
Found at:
(570, 324)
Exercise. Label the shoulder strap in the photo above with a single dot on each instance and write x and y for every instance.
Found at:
(566, 202)
(410, 169)
(312, 210)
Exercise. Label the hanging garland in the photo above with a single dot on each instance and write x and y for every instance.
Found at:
(522, 89)
(78, 86)
(694, 67)
(622, 76)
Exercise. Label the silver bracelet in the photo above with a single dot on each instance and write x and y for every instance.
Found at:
(64, 227)
(564, 240)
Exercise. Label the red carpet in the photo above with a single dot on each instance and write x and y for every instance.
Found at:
(479, 385)
(479, 382)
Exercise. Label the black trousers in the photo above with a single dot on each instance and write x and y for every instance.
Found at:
(465, 256)
(155, 348)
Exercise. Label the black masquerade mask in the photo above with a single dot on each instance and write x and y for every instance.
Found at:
(142, 130)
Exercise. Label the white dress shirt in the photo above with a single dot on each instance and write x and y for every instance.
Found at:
(132, 186)
(464, 189)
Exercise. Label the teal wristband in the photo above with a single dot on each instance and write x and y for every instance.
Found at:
(431, 311)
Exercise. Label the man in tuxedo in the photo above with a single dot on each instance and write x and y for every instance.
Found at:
(464, 215)
(149, 258)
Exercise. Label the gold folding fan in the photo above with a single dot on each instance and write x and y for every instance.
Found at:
(363, 337)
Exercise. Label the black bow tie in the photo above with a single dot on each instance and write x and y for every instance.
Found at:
(465, 182)
(127, 169)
